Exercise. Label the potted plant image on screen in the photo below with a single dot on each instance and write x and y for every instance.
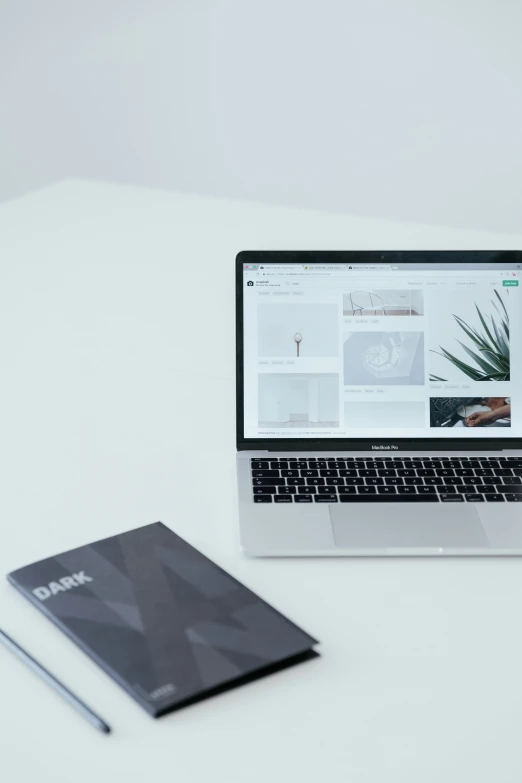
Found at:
(470, 335)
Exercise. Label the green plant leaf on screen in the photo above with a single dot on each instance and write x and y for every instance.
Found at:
(502, 343)
(488, 367)
(498, 361)
(492, 359)
(484, 324)
(502, 302)
(436, 378)
(469, 331)
(471, 372)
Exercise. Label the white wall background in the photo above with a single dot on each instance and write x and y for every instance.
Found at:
(404, 109)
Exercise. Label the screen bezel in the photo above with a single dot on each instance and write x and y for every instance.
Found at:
(311, 257)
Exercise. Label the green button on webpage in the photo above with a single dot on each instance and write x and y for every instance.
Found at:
(510, 282)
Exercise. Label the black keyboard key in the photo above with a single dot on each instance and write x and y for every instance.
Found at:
(474, 498)
(321, 464)
(325, 499)
(489, 463)
(426, 490)
(517, 471)
(264, 490)
(352, 473)
(496, 498)
(334, 481)
(406, 490)
(354, 482)
(367, 473)
(425, 472)
(386, 490)
(286, 490)
(467, 488)
(386, 472)
(513, 498)
(327, 490)
(262, 498)
(260, 464)
(314, 482)
(374, 482)
(434, 480)
(358, 465)
(452, 480)
(488, 489)
(290, 473)
(449, 498)
(309, 473)
(347, 490)
(367, 490)
(464, 472)
(502, 472)
(512, 480)
(265, 473)
(470, 463)
(406, 472)
(335, 465)
(278, 465)
(328, 473)
(268, 482)
(489, 479)
(295, 482)
(445, 472)
(415, 481)
(302, 499)
(394, 480)
(483, 472)
(300, 465)
(283, 499)
(306, 490)
(434, 498)
(447, 489)
(512, 489)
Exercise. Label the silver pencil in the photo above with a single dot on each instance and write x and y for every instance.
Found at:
(55, 684)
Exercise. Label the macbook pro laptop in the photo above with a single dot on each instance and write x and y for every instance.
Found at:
(375, 395)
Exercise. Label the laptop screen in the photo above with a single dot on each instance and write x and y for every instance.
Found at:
(382, 350)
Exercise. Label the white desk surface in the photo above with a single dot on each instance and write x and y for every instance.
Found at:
(117, 364)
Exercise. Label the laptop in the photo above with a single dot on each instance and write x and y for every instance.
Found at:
(374, 402)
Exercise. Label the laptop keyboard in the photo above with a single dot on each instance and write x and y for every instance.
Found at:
(387, 480)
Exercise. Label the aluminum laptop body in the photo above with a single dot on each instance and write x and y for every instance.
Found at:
(374, 402)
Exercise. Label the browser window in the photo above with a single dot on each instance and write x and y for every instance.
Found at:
(382, 350)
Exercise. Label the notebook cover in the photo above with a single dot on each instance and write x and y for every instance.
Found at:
(160, 618)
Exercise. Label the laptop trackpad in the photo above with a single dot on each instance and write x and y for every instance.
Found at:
(398, 526)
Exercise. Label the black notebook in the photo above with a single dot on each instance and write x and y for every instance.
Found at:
(160, 618)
